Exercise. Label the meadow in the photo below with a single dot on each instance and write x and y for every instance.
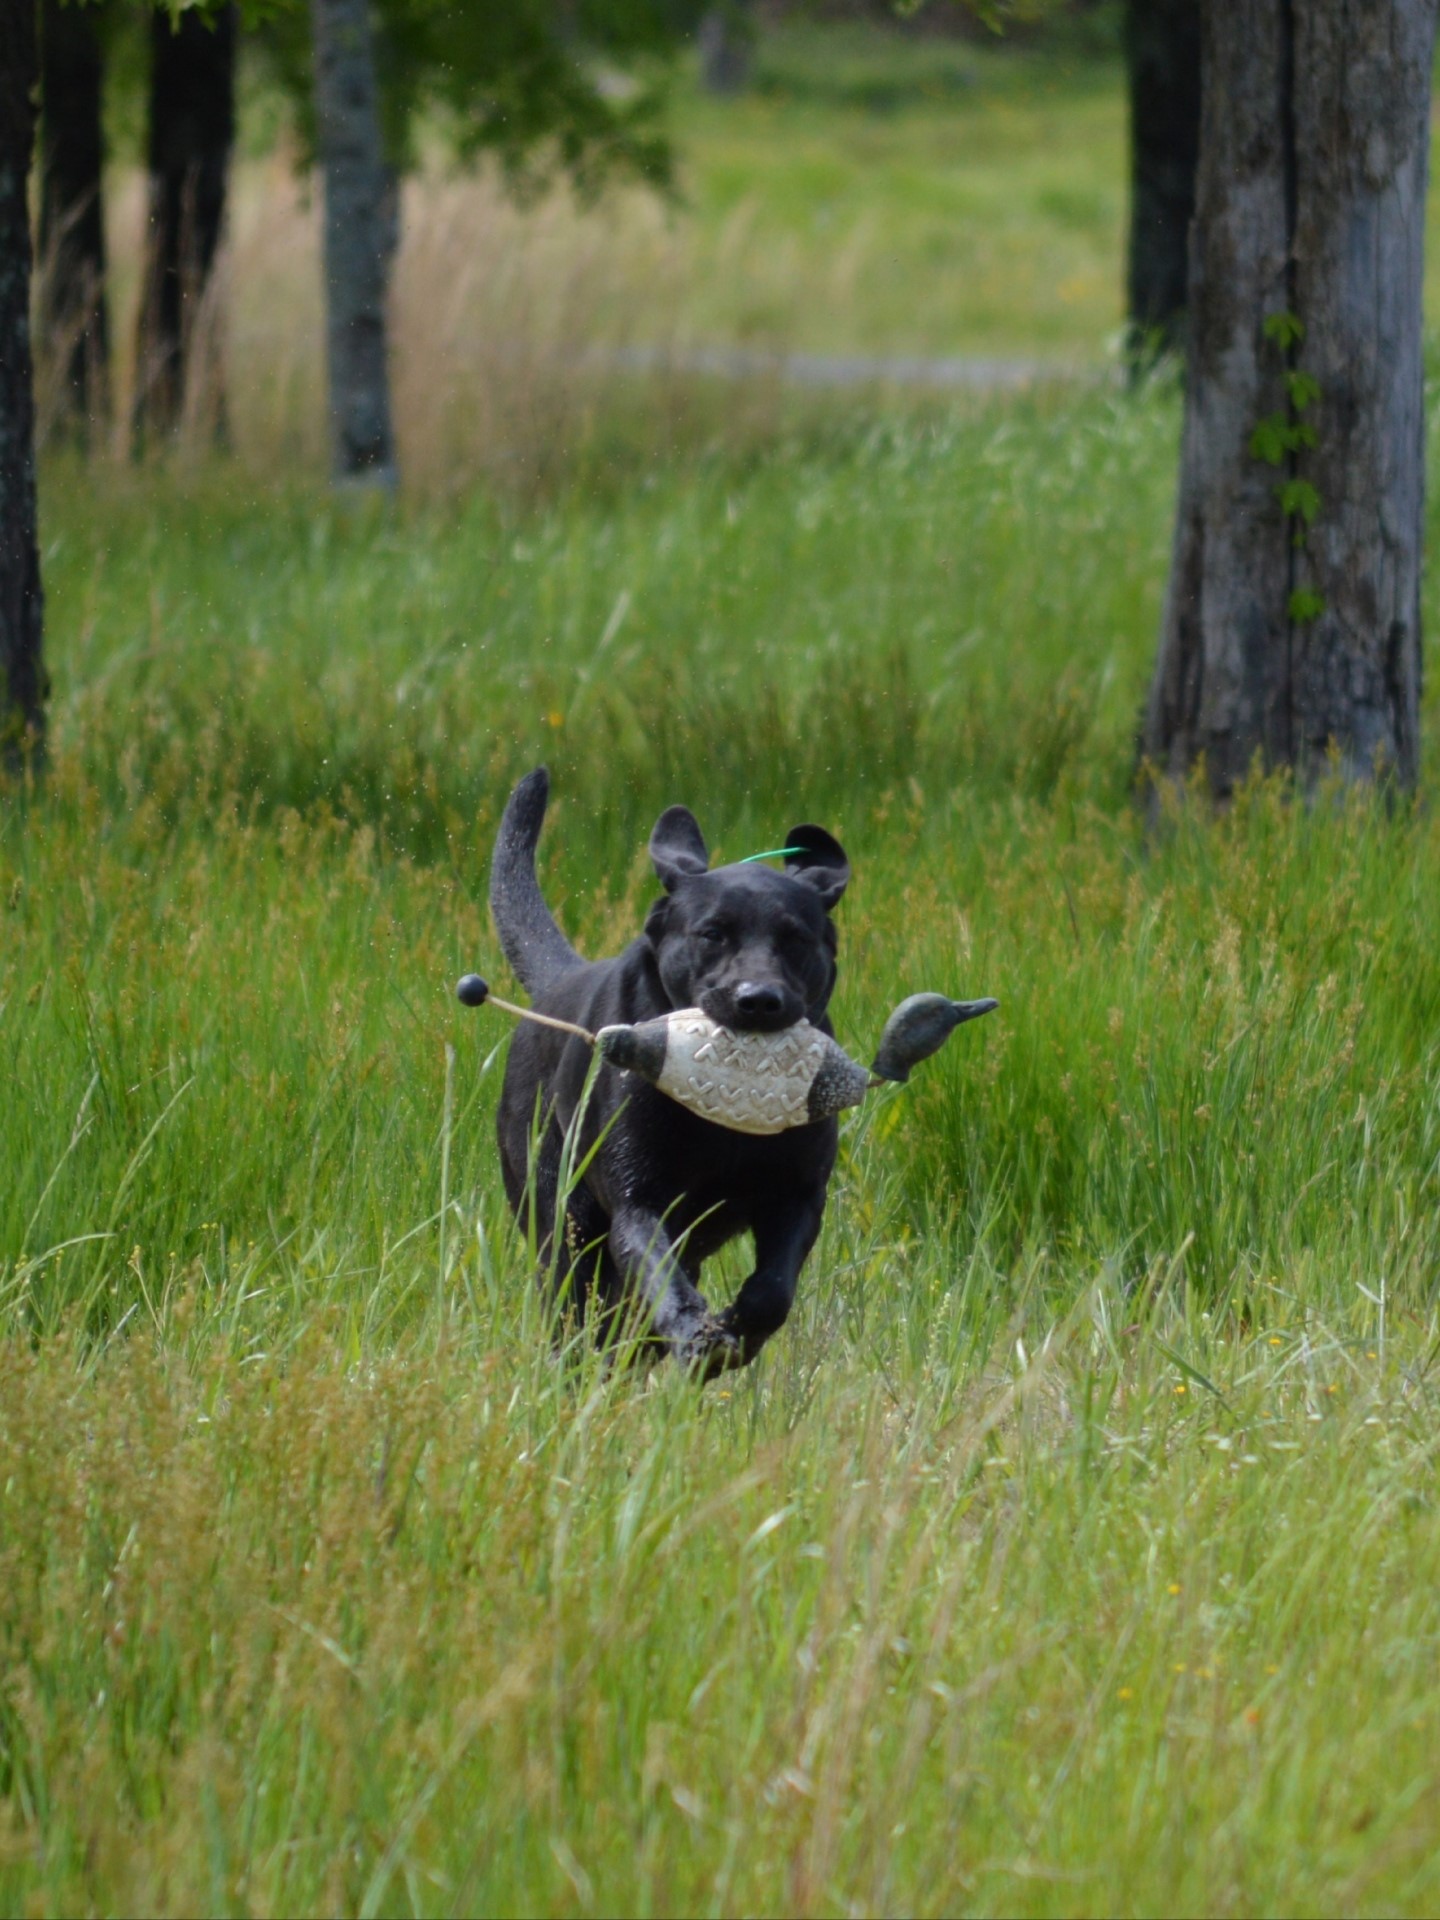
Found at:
(1076, 1547)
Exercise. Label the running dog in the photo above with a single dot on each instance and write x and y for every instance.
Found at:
(753, 948)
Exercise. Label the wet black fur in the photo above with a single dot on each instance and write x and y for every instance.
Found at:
(754, 948)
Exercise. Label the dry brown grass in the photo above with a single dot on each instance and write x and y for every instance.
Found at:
(506, 326)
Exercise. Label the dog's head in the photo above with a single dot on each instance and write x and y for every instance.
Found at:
(753, 948)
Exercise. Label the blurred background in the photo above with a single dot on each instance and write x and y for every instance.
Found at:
(736, 220)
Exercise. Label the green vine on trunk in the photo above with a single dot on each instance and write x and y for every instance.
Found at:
(1279, 439)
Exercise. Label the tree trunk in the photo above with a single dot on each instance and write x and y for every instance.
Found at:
(22, 673)
(72, 212)
(192, 130)
(359, 240)
(1162, 52)
(1291, 631)
(727, 46)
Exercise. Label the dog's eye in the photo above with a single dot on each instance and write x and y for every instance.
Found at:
(711, 936)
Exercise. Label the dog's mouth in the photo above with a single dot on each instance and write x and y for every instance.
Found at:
(725, 1009)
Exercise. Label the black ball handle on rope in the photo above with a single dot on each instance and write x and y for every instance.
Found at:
(472, 991)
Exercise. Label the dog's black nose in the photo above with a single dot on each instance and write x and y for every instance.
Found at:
(756, 1002)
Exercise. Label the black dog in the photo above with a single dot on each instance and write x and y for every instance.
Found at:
(755, 950)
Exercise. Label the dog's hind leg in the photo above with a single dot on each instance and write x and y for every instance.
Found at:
(678, 1314)
(565, 1266)
(581, 1274)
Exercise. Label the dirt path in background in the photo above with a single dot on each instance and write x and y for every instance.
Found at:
(845, 369)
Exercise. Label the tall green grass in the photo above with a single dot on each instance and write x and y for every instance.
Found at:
(1002, 1628)
(1073, 1549)
(935, 640)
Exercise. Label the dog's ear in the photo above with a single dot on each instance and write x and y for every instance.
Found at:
(819, 861)
(657, 922)
(677, 847)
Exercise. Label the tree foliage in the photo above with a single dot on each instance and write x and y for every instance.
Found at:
(546, 89)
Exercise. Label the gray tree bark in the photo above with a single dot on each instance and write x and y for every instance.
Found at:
(1291, 631)
(22, 672)
(359, 221)
(1162, 59)
(727, 46)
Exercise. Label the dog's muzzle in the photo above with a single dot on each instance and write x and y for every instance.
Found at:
(752, 1007)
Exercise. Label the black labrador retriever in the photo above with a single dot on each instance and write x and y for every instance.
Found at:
(754, 949)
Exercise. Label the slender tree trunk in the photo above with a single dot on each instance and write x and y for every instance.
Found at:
(22, 673)
(727, 47)
(1291, 630)
(1162, 50)
(72, 211)
(359, 241)
(192, 130)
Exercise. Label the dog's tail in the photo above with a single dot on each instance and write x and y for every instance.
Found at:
(533, 944)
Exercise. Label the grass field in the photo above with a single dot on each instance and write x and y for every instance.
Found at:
(1076, 1547)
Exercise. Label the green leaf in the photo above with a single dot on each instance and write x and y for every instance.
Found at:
(1298, 497)
(1270, 441)
(1305, 604)
(1284, 328)
(1304, 388)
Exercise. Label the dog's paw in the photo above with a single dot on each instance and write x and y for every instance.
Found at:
(712, 1349)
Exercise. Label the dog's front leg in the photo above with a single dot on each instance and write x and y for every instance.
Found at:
(679, 1316)
(783, 1238)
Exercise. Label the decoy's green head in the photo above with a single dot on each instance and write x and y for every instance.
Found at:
(919, 1027)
